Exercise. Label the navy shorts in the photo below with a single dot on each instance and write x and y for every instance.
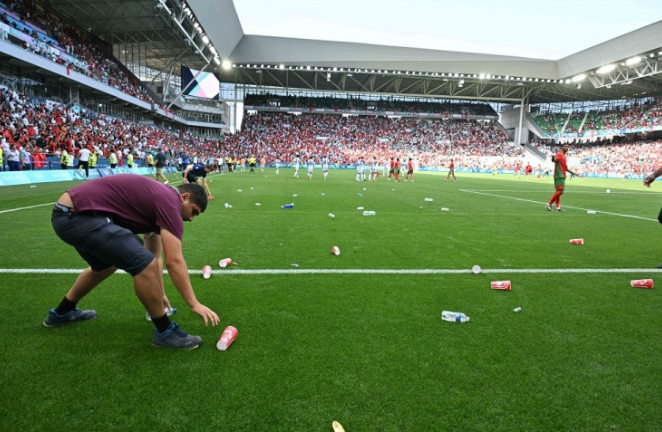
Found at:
(101, 242)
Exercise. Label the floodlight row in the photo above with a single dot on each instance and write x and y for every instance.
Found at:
(350, 71)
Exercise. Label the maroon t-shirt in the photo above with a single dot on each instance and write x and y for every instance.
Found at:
(137, 203)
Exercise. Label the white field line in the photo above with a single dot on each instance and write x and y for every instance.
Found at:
(50, 203)
(573, 192)
(26, 208)
(565, 207)
(362, 271)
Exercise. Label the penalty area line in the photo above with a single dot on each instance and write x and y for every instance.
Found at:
(363, 271)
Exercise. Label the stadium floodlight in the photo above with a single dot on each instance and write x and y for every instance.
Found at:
(481, 76)
(606, 69)
(227, 65)
(632, 61)
(282, 66)
(578, 78)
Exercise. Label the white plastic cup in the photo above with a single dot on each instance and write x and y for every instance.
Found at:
(225, 262)
(257, 204)
(331, 215)
(206, 272)
(591, 212)
(476, 269)
(335, 250)
(445, 209)
(429, 199)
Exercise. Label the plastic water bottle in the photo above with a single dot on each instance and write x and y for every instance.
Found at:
(288, 206)
(369, 213)
(454, 316)
(168, 312)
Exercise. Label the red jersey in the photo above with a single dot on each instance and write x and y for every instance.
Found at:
(561, 165)
(410, 166)
(529, 169)
(452, 165)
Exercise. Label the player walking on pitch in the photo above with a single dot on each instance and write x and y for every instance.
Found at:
(451, 171)
(560, 169)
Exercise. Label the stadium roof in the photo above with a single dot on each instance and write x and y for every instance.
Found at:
(170, 32)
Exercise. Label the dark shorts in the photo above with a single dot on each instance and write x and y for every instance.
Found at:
(252, 165)
(191, 178)
(101, 243)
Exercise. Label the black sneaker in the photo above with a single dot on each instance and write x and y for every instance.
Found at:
(175, 337)
(54, 320)
(559, 209)
(548, 207)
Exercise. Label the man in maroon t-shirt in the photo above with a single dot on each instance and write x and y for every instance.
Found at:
(101, 218)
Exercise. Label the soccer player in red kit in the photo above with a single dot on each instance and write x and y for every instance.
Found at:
(410, 170)
(560, 169)
(527, 171)
(451, 171)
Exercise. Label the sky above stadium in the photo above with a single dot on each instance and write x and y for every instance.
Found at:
(526, 28)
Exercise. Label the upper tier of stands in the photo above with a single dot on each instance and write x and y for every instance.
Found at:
(24, 24)
(645, 115)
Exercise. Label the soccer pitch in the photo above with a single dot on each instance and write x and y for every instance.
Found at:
(357, 337)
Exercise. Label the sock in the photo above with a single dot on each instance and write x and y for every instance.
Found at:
(65, 307)
(558, 202)
(162, 323)
(554, 198)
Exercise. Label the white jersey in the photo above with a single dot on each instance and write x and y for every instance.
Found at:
(296, 164)
(325, 164)
(311, 165)
(373, 166)
(360, 166)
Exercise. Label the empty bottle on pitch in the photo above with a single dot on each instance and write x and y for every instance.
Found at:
(454, 316)
(288, 206)
(168, 311)
(579, 241)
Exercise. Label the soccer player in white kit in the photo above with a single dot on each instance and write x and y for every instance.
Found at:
(360, 169)
(311, 167)
(277, 163)
(296, 165)
(373, 169)
(325, 166)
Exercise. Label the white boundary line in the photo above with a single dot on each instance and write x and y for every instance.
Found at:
(573, 192)
(26, 208)
(567, 207)
(362, 271)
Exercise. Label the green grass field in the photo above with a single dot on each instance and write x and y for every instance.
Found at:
(367, 349)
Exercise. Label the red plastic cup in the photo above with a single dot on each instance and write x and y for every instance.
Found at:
(579, 241)
(642, 283)
(206, 272)
(501, 285)
(335, 250)
(225, 262)
(228, 336)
